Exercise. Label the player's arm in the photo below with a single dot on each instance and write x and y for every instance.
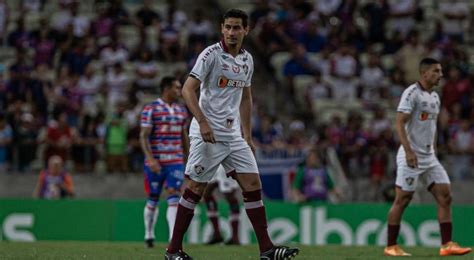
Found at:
(401, 120)
(189, 95)
(39, 184)
(245, 116)
(185, 141)
(145, 133)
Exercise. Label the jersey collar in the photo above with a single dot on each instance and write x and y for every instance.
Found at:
(226, 49)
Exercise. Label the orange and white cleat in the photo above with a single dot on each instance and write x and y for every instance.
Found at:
(395, 250)
(453, 248)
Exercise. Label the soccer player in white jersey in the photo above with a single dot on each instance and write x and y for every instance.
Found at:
(223, 73)
(416, 121)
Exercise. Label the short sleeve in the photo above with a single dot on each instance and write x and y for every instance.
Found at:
(249, 78)
(407, 101)
(203, 65)
(147, 115)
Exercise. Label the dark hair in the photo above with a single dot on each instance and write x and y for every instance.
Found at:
(427, 62)
(166, 82)
(236, 13)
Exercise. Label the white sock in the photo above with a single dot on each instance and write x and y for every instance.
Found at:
(171, 217)
(150, 216)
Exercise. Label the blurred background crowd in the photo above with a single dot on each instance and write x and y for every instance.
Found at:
(74, 76)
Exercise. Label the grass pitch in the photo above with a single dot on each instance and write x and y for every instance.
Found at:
(118, 250)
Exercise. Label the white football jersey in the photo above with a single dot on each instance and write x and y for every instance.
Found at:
(223, 78)
(424, 108)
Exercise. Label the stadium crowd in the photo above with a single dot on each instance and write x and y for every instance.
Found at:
(74, 84)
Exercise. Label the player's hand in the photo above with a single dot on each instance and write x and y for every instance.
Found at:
(206, 132)
(412, 161)
(154, 165)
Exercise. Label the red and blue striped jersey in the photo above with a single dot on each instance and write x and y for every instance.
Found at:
(167, 122)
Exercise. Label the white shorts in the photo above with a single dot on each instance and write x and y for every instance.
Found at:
(226, 184)
(407, 177)
(205, 158)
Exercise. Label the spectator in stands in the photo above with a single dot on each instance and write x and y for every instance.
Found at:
(455, 14)
(266, 135)
(461, 145)
(84, 152)
(344, 71)
(117, 85)
(54, 182)
(116, 142)
(311, 38)
(402, 15)
(199, 29)
(45, 48)
(298, 64)
(147, 16)
(4, 15)
(312, 181)
(409, 55)
(169, 47)
(376, 14)
(372, 79)
(20, 37)
(114, 53)
(26, 135)
(6, 137)
(456, 88)
(261, 9)
(59, 137)
(103, 26)
(396, 86)
(317, 89)
(89, 87)
(146, 71)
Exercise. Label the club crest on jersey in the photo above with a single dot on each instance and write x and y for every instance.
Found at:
(235, 69)
(229, 122)
(223, 82)
(198, 169)
(410, 180)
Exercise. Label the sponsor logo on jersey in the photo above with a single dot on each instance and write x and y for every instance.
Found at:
(427, 116)
(225, 67)
(424, 104)
(246, 69)
(225, 82)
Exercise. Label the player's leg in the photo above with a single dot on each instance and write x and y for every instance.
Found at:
(440, 187)
(234, 217)
(204, 158)
(174, 175)
(212, 213)
(153, 184)
(185, 213)
(407, 179)
(243, 162)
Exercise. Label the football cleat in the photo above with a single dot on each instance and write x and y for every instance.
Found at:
(279, 253)
(149, 243)
(215, 240)
(232, 242)
(453, 248)
(180, 255)
(395, 250)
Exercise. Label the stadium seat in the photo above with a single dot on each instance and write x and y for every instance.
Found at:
(278, 60)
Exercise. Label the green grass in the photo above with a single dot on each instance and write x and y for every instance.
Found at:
(118, 250)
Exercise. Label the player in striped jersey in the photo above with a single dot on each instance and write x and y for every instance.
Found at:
(164, 141)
